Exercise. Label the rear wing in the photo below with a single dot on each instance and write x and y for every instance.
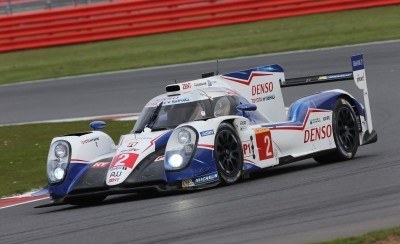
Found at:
(358, 75)
(309, 80)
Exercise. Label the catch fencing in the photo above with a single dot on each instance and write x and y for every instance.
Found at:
(142, 17)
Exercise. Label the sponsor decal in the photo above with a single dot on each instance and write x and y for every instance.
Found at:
(248, 148)
(207, 133)
(124, 161)
(262, 88)
(165, 100)
(210, 83)
(113, 180)
(336, 76)
(260, 130)
(357, 62)
(116, 174)
(90, 140)
(186, 86)
(187, 183)
(130, 147)
(243, 125)
(318, 120)
(206, 179)
(130, 150)
(143, 138)
(263, 99)
(315, 120)
(264, 143)
(360, 78)
(318, 133)
(132, 144)
(100, 165)
(181, 100)
(200, 84)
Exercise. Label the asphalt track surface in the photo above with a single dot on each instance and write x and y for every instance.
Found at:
(297, 203)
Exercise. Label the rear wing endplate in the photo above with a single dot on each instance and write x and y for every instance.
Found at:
(358, 75)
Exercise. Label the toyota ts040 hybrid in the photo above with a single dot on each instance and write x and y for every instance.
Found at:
(214, 130)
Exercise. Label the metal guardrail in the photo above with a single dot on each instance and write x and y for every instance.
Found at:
(8, 7)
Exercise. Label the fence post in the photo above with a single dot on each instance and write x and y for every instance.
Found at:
(48, 3)
(9, 7)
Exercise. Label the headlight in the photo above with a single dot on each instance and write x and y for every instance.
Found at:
(175, 160)
(184, 136)
(59, 173)
(61, 150)
(57, 161)
(180, 148)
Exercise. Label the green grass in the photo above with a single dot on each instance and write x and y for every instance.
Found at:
(385, 236)
(305, 32)
(24, 149)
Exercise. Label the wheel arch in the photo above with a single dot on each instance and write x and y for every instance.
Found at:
(322, 100)
(357, 107)
(216, 122)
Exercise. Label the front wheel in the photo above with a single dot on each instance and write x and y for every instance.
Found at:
(228, 154)
(345, 132)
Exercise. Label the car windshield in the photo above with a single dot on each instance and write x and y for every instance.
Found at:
(170, 116)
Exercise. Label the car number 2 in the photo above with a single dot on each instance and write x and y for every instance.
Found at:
(264, 145)
(124, 160)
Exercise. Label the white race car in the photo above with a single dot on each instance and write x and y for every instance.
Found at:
(209, 131)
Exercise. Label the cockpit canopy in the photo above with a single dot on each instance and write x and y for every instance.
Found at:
(167, 111)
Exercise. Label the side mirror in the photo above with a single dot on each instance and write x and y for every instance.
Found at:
(246, 107)
(242, 108)
(97, 125)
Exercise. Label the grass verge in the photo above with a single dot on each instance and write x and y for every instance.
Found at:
(382, 236)
(305, 32)
(24, 149)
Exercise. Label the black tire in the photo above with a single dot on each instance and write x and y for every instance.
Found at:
(228, 154)
(345, 133)
(86, 201)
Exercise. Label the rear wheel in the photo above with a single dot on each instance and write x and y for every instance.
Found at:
(228, 154)
(345, 133)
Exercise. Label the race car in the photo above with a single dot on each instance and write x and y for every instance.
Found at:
(211, 131)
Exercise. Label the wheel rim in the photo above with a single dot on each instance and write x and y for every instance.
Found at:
(227, 152)
(346, 129)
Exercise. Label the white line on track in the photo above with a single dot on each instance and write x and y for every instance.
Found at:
(21, 203)
(116, 117)
(201, 62)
